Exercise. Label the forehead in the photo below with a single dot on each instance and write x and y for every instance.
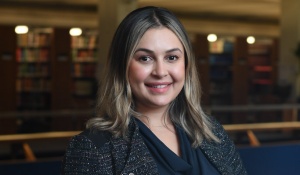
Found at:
(159, 38)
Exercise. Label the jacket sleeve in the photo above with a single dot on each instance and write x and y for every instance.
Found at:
(83, 157)
(223, 154)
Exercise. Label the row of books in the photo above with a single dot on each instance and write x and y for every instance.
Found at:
(32, 55)
(85, 55)
(219, 89)
(33, 101)
(259, 61)
(84, 41)
(33, 71)
(32, 39)
(33, 85)
(83, 88)
(84, 70)
(220, 59)
(221, 46)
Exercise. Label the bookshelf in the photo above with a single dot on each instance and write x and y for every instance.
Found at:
(45, 69)
(73, 65)
(261, 67)
(222, 67)
(84, 61)
(33, 82)
(214, 64)
(220, 61)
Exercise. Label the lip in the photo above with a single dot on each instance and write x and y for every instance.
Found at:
(158, 87)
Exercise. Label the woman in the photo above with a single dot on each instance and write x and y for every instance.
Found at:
(149, 119)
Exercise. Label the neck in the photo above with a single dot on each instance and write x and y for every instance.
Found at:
(150, 122)
(154, 117)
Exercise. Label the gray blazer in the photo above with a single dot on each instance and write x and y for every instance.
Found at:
(97, 152)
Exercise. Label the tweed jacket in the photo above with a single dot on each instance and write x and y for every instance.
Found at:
(98, 153)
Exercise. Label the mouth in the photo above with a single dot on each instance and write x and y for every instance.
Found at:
(158, 86)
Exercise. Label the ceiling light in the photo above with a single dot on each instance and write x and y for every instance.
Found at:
(250, 40)
(21, 29)
(75, 31)
(212, 37)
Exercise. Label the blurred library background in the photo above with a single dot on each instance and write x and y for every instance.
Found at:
(52, 54)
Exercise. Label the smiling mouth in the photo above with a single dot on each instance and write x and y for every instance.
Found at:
(159, 86)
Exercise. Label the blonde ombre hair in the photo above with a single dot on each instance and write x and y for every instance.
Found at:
(115, 105)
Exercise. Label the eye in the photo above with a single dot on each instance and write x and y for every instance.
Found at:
(172, 58)
(145, 58)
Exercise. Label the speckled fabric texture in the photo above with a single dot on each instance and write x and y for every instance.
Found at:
(223, 155)
(98, 153)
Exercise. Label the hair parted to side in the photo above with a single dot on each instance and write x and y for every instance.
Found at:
(115, 105)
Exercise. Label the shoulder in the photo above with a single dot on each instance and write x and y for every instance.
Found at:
(224, 141)
(97, 137)
(89, 140)
(223, 154)
(219, 131)
(88, 151)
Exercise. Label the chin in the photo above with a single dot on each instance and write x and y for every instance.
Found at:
(161, 103)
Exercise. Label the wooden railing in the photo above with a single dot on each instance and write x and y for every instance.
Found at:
(289, 121)
(249, 128)
(25, 138)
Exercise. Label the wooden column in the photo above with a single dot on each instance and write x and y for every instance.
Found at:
(201, 49)
(110, 13)
(8, 76)
(61, 92)
(8, 71)
(240, 77)
(61, 69)
(289, 38)
(240, 72)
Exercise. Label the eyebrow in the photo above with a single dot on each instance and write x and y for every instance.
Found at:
(151, 51)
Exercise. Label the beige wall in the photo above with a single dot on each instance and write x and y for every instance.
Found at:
(289, 37)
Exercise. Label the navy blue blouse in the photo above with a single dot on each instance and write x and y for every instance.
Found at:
(191, 162)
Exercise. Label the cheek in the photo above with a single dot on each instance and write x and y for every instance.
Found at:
(136, 73)
(179, 73)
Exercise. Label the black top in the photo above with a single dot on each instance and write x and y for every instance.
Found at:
(191, 162)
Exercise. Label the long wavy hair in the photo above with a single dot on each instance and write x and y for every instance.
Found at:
(115, 105)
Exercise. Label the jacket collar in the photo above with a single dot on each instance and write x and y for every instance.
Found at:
(132, 155)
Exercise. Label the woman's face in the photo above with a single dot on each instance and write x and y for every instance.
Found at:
(157, 69)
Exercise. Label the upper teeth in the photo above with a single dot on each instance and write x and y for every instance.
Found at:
(159, 86)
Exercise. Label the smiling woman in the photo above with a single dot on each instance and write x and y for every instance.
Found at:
(149, 118)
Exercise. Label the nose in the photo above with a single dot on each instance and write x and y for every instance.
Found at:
(160, 69)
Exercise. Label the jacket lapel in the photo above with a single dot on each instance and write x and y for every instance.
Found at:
(132, 155)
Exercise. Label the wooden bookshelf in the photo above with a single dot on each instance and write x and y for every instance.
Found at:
(45, 69)
(231, 67)
(221, 60)
(262, 58)
(214, 64)
(84, 61)
(33, 81)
